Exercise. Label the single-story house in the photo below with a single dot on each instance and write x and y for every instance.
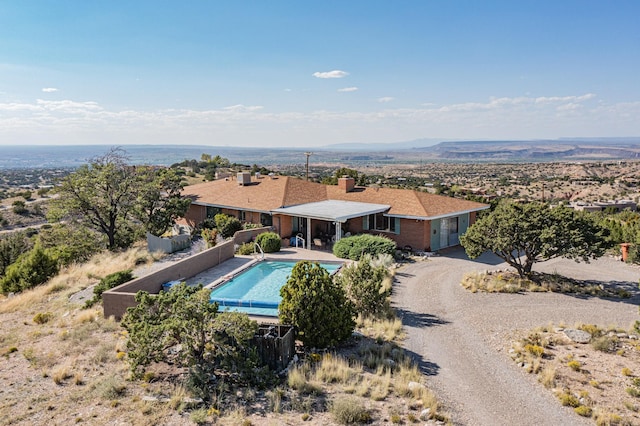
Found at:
(323, 213)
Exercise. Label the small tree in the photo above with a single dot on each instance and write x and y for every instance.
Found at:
(523, 234)
(183, 327)
(366, 286)
(316, 306)
(12, 245)
(107, 283)
(19, 207)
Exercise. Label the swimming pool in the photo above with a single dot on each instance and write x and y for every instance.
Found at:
(257, 290)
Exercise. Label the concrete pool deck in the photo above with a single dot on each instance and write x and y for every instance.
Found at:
(226, 270)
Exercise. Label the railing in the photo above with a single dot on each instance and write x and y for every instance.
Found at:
(259, 248)
(299, 238)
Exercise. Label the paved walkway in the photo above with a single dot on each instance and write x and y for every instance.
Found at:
(461, 339)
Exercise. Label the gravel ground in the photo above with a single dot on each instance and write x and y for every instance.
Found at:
(462, 338)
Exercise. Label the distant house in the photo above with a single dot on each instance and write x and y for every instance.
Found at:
(326, 213)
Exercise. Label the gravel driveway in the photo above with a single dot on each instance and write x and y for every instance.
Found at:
(462, 339)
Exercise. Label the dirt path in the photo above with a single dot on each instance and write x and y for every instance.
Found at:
(462, 338)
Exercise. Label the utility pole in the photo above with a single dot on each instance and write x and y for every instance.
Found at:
(308, 154)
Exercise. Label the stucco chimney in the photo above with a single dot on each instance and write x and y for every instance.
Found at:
(346, 183)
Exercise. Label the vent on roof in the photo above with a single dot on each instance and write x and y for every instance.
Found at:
(244, 178)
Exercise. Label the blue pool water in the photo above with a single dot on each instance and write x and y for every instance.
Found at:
(260, 283)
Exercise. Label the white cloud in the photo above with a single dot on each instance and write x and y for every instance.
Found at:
(348, 89)
(526, 117)
(331, 74)
(385, 99)
(49, 89)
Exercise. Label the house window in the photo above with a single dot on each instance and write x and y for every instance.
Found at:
(242, 215)
(380, 222)
(266, 219)
(212, 211)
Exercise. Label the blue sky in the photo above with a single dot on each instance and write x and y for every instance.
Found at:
(302, 73)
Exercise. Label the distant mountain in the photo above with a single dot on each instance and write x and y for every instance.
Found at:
(381, 147)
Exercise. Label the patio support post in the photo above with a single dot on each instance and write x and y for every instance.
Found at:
(338, 231)
(309, 233)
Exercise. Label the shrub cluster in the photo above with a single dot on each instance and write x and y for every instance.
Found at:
(107, 283)
(269, 241)
(365, 285)
(32, 268)
(227, 225)
(358, 245)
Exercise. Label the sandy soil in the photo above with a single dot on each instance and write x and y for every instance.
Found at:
(463, 339)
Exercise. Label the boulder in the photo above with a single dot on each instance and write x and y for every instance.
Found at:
(578, 336)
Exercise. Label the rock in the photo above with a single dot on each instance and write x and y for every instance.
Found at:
(150, 398)
(578, 336)
(389, 362)
(425, 414)
(622, 335)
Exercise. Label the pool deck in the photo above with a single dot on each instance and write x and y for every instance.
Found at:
(227, 270)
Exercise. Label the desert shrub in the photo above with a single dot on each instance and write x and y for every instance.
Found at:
(31, 269)
(209, 236)
(349, 410)
(356, 246)
(71, 245)
(199, 416)
(227, 225)
(245, 249)
(583, 411)
(568, 400)
(318, 307)
(365, 286)
(13, 245)
(269, 241)
(574, 365)
(42, 317)
(19, 207)
(107, 283)
(605, 343)
(535, 350)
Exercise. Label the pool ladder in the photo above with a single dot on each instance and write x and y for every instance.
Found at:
(259, 248)
(299, 238)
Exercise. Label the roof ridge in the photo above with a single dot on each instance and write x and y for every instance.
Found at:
(419, 199)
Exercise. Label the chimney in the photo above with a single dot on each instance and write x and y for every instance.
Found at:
(346, 183)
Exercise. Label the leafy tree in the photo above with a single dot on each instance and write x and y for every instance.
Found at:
(100, 195)
(13, 245)
(31, 269)
(316, 306)
(366, 286)
(113, 198)
(183, 327)
(523, 234)
(159, 201)
(341, 172)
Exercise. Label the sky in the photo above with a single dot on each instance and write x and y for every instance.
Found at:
(309, 73)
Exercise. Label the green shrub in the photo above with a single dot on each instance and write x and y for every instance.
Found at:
(42, 317)
(31, 269)
(358, 245)
(227, 225)
(364, 285)
(245, 249)
(209, 236)
(19, 207)
(108, 282)
(269, 241)
(13, 245)
(318, 307)
(583, 411)
(605, 343)
(349, 410)
(70, 245)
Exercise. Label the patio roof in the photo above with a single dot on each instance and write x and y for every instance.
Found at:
(333, 210)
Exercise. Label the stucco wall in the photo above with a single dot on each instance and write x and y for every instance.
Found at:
(195, 215)
(117, 300)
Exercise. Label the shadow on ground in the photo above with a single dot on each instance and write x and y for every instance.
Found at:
(419, 320)
(427, 368)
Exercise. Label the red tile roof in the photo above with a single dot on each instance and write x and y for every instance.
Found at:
(266, 194)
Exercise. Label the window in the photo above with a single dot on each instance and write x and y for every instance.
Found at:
(212, 211)
(266, 219)
(242, 215)
(380, 222)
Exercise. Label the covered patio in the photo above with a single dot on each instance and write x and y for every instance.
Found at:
(334, 213)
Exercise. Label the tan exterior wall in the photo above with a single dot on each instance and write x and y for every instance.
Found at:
(472, 217)
(117, 300)
(195, 215)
